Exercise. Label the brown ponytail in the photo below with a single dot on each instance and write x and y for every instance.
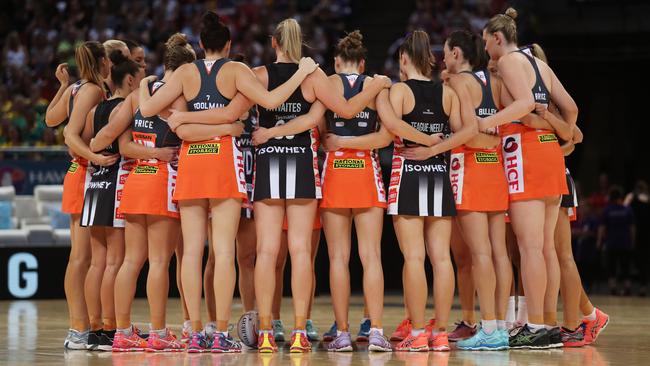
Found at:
(504, 23)
(538, 52)
(289, 38)
(88, 57)
(417, 47)
(350, 48)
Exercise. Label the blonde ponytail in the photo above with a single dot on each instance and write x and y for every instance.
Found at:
(289, 38)
(88, 57)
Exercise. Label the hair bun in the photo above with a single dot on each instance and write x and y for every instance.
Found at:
(177, 39)
(117, 57)
(211, 19)
(511, 12)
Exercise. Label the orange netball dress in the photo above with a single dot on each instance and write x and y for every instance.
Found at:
(77, 178)
(533, 159)
(352, 178)
(476, 175)
(212, 168)
(149, 188)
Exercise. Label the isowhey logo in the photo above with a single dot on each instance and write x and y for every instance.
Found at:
(457, 176)
(146, 169)
(513, 163)
(204, 149)
(547, 138)
(486, 157)
(349, 163)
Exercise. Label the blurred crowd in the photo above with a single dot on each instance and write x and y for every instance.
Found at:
(37, 35)
(611, 238)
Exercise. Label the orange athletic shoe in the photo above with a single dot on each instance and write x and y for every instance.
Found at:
(428, 328)
(299, 343)
(439, 342)
(402, 332)
(266, 342)
(128, 343)
(594, 327)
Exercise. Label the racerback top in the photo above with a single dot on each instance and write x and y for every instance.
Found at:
(293, 107)
(209, 96)
(364, 123)
(428, 115)
(153, 131)
(540, 91)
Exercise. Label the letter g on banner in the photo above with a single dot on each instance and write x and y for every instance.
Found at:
(22, 283)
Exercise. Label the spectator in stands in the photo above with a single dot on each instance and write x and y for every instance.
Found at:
(14, 54)
(616, 236)
(598, 199)
(639, 201)
(586, 234)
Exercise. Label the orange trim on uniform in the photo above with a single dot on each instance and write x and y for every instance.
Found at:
(352, 179)
(533, 163)
(210, 169)
(478, 180)
(149, 189)
(74, 186)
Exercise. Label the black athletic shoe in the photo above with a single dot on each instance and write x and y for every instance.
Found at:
(93, 339)
(555, 338)
(106, 341)
(527, 339)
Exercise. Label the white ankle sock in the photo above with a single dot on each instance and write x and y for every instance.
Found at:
(535, 327)
(416, 332)
(502, 325)
(380, 330)
(522, 311)
(489, 326)
(591, 316)
(510, 312)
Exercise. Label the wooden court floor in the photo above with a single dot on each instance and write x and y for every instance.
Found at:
(32, 332)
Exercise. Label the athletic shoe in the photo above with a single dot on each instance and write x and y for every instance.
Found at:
(573, 338)
(210, 329)
(527, 339)
(266, 342)
(76, 340)
(93, 339)
(312, 331)
(593, 327)
(364, 331)
(128, 343)
(168, 343)
(428, 328)
(403, 331)
(481, 341)
(439, 342)
(330, 334)
(106, 340)
(278, 330)
(299, 342)
(342, 343)
(187, 330)
(420, 343)
(199, 343)
(462, 331)
(555, 337)
(224, 343)
(378, 343)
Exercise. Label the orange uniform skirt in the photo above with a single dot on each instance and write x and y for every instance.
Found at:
(149, 190)
(75, 184)
(210, 169)
(352, 179)
(477, 179)
(533, 163)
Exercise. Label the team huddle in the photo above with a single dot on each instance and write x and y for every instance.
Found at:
(216, 151)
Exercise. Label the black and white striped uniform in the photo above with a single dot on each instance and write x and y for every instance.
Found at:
(422, 188)
(245, 143)
(286, 167)
(570, 200)
(102, 198)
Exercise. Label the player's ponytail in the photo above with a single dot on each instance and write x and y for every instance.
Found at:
(214, 33)
(471, 45)
(89, 57)
(417, 47)
(122, 66)
(289, 38)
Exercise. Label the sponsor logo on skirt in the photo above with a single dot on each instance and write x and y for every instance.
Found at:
(349, 164)
(204, 149)
(73, 168)
(547, 138)
(486, 157)
(145, 169)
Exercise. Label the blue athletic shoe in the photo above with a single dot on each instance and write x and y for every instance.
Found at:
(330, 334)
(482, 341)
(364, 331)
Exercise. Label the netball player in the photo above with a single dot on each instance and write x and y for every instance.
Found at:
(101, 211)
(535, 171)
(480, 188)
(420, 195)
(137, 53)
(110, 46)
(344, 168)
(207, 84)
(72, 103)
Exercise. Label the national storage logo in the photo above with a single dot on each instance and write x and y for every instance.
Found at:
(349, 163)
(204, 149)
(145, 169)
(547, 138)
(486, 157)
